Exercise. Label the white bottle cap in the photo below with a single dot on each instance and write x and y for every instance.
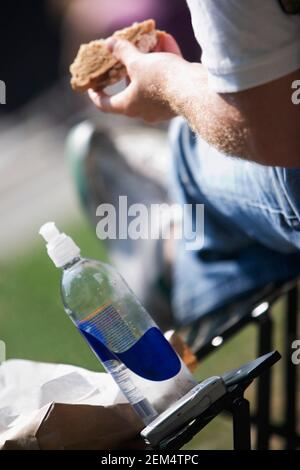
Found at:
(61, 248)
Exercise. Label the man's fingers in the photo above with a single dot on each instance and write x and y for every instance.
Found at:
(116, 104)
(167, 43)
(101, 100)
(123, 50)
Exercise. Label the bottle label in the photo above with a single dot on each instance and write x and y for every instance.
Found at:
(150, 356)
(121, 376)
(107, 324)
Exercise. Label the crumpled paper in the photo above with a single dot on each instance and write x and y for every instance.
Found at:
(55, 406)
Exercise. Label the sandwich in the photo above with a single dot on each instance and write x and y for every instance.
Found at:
(96, 67)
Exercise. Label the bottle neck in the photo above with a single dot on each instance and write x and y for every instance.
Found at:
(72, 263)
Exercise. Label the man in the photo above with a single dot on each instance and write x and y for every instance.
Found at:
(244, 165)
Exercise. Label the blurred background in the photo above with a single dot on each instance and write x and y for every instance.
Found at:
(38, 41)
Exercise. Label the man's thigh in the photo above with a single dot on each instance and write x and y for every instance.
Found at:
(251, 226)
(252, 202)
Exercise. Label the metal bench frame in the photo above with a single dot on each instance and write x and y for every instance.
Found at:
(260, 314)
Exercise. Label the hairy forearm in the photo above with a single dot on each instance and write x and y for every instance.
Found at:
(212, 117)
(247, 124)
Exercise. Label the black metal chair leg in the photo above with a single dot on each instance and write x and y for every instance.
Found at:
(241, 424)
(290, 369)
(264, 383)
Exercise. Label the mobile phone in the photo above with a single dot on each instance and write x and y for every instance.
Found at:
(248, 372)
(189, 407)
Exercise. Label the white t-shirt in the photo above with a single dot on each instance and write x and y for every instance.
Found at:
(245, 43)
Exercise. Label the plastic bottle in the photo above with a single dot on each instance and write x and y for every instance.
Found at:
(121, 333)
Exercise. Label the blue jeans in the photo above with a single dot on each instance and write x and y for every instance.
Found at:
(252, 225)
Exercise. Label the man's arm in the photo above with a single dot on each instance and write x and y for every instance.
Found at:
(260, 124)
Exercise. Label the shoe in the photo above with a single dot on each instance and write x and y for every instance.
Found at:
(133, 162)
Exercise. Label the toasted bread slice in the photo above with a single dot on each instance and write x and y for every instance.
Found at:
(95, 66)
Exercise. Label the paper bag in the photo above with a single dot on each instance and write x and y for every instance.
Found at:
(57, 406)
(72, 427)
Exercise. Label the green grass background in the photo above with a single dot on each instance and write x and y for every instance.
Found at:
(34, 326)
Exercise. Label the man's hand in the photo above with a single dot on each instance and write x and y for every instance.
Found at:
(145, 95)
